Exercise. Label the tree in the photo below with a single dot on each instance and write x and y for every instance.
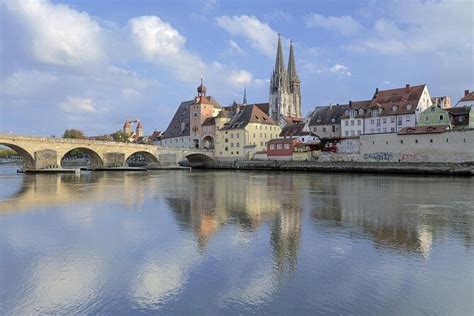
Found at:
(120, 136)
(74, 133)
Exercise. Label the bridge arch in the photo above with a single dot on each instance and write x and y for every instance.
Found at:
(197, 157)
(28, 160)
(208, 142)
(96, 160)
(143, 158)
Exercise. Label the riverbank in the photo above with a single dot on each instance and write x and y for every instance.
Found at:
(459, 169)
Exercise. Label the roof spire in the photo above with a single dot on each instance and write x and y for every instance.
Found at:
(279, 65)
(293, 76)
(245, 96)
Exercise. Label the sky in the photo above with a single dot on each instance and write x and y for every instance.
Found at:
(91, 65)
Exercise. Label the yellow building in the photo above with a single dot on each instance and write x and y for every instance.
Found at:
(246, 133)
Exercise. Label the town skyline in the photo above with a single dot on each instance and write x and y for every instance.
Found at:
(141, 62)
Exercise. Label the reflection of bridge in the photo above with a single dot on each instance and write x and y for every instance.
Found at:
(46, 152)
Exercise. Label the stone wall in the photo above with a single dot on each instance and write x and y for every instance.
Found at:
(452, 146)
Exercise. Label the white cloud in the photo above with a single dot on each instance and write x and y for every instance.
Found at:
(235, 48)
(27, 82)
(415, 28)
(345, 25)
(260, 35)
(75, 105)
(162, 44)
(240, 78)
(59, 34)
(340, 69)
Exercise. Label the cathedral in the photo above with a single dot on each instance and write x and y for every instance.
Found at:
(285, 94)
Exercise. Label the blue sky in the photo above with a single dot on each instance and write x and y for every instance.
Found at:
(93, 64)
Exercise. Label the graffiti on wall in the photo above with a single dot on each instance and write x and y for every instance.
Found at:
(379, 156)
(413, 157)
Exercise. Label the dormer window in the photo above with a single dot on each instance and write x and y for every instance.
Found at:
(351, 113)
(333, 119)
(432, 109)
(361, 111)
(408, 106)
(318, 120)
(375, 113)
(346, 112)
(394, 108)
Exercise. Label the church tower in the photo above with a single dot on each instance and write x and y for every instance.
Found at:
(294, 82)
(284, 94)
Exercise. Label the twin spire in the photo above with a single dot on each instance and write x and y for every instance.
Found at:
(280, 65)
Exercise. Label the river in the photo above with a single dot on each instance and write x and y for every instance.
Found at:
(228, 242)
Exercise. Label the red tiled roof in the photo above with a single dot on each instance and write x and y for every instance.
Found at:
(432, 129)
(398, 101)
(250, 114)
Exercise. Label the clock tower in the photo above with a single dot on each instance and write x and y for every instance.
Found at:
(199, 111)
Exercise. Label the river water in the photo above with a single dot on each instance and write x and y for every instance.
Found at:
(224, 242)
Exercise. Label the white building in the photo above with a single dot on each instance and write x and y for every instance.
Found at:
(392, 110)
(352, 122)
(467, 100)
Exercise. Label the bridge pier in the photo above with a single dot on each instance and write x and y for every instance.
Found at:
(114, 160)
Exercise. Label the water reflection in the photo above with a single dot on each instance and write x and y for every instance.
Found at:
(207, 242)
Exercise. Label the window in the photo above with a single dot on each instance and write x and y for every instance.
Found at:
(236, 152)
(401, 142)
(261, 143)
(358, 132)
(431, 141)
(426, 118)
(346, 133)
(272, 147)
(237, 145)
(352, 122)
(352, 133)
(441, 117)
(416, 141)
(372, 121)
(265, 135)
(392, 120)
(238, 135)
(407, 118)
(334, 128)
(432, 108)
(384, 120)
(400, 121)
(231, 145)
(287, 146)
(346, 123)
(227, 148)
(324, 129)
(372, 131)
(359, 122)
(392, 129)
(226, 140)
(315, 129)
(231, 135)
(384, 130)
(378, 122)
(279, 146)
(333, 119)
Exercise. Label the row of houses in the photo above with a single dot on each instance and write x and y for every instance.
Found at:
(390, 111)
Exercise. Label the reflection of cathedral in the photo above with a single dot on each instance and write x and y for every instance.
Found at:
(247, 200)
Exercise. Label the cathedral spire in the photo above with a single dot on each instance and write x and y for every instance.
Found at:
(279, 64)
(245, 96)
(292, 74)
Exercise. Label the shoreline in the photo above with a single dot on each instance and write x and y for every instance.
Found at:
(451, 169)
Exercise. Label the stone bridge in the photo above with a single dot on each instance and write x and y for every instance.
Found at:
(47, 152)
